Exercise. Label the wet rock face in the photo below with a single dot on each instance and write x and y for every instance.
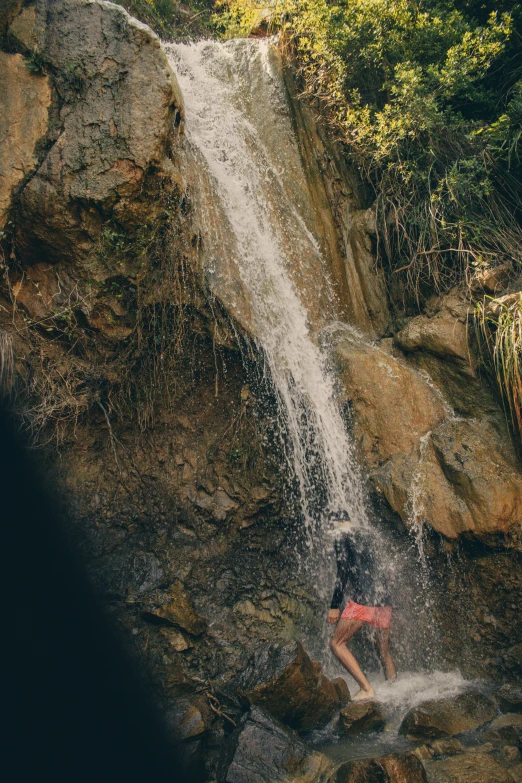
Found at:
(283, 680)
(346, 229)
(448, 717)
(460, 476)
(395, 768)
(384, 394)
(467, 768)
(466, 478)
(362, 718)
(261, 750)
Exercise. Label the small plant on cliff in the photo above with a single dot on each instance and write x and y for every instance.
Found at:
(499, 331)
(34, 62)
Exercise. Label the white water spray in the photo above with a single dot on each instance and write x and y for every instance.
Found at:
(261, 256)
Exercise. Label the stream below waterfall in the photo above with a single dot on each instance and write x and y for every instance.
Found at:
(410, 690)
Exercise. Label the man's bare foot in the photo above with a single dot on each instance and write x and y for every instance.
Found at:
(364, 695)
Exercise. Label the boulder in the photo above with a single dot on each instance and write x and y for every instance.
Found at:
(189, 717)
(395, 768)
(283, 679)
(448, 717)
(506, 728)
(262, 750)
(467, 768)
(363, 717)
(443, 335)
(175, 607)
(509, 697)
(516, 773)
(439, 747)
(446, 747)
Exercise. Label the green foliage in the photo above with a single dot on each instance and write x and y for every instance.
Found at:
(426, 99)
(34, 62)
(499, 331)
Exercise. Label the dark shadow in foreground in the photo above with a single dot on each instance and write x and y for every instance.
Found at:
(74, 706)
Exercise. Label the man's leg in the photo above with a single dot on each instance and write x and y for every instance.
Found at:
(344, 631)
(382, 640)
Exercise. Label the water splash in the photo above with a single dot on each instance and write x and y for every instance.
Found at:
(262, 258)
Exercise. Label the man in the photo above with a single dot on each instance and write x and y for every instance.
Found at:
(369, 603)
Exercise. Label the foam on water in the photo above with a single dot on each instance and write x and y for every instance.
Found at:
(410, 690)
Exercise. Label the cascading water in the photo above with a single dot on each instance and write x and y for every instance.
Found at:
(265, 258)
(239, 128)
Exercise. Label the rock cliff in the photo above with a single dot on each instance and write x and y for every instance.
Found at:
(145, 395)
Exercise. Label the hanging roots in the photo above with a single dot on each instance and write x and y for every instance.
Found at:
(6, 364)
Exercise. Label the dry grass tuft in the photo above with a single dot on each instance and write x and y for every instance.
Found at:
(498, 325)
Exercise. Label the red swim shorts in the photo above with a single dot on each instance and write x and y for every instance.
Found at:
(378, 616)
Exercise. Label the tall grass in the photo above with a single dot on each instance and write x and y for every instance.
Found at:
(499, 330)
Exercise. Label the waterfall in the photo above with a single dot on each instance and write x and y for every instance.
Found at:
(261, 256)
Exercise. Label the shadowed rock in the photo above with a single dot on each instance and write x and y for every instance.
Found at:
(512, 660)
(395, 768)
(176, 608)
(467, 768)
(189, 717)
(506, 728)
(361, 718)
(509, 697)
(447, 717)
(261, 750)
(283, 679)
(439, 747)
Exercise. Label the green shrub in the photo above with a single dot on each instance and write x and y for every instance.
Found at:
(425, 97)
